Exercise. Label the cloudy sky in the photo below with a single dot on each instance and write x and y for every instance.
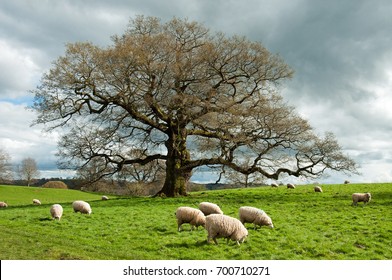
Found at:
(341, 51)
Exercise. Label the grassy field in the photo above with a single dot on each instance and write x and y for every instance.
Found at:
(308, 225)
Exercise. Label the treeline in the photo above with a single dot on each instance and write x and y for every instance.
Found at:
(71, 183)
(108, 186)
(117, 187)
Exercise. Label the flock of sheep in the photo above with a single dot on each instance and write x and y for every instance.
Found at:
(218, 225)
(356, 197)
(56, 210)
(208, 215)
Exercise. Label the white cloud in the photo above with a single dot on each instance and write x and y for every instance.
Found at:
(20, 140)
(19, 71)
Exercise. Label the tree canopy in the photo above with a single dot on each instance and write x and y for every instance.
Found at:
(178, 93)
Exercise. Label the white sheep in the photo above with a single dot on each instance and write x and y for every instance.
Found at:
(290, 186)
(218, 225)
(318, 189)
(82, 207)
(358, 197)
(274, 185)
(36, 202)
(210, 208)
(104, 197)
(3, 204)
(255, 216)
(56, 211)
(189, 215)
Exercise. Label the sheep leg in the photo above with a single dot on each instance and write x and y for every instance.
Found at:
(213, 238)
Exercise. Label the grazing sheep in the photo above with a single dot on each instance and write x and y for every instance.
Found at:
(290, 186)
(358, 197)
(209, 208)
(82, 207)
(274, 185)
(218, 225)
(255, 216)
(318, 189)
(189, 215)
(3, 204)
(104, 197)
(56, 211)
(36, 202)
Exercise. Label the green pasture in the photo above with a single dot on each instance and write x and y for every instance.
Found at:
(308, 225)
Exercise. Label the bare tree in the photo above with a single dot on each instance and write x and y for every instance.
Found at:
(95, 170)
(29, 170)
(5, 166)
(142, 174)
(186, 96)
(242, 179)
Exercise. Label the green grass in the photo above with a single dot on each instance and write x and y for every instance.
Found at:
(308, 225)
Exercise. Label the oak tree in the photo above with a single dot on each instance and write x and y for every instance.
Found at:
(179, 93)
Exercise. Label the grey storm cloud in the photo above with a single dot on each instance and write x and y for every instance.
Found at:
(340, 51)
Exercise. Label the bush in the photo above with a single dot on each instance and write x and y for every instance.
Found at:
(55, 185)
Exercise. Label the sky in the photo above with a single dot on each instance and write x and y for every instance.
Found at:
(340, 50)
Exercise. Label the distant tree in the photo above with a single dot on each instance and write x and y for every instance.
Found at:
(142, 173)
(28, 170)
(184, 96)
(92, 171)
(241, 179)
(5, 166)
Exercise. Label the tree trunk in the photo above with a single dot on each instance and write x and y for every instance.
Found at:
(177, 176)
(176, 180)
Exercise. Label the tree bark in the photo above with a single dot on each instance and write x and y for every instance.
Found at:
(177, 175)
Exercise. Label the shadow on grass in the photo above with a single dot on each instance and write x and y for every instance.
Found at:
(203, 243)
(45, 219)
(197, 244)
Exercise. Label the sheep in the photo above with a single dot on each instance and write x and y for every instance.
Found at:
(254, 215)
(218, 225)
(3, 204)
(274, 185)
(358, 197)
(56, 211)
(189, 215)
(209, 208)
(82, 207)
(318, 189)
(36, 202)
(290, 186)
(104, 197)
